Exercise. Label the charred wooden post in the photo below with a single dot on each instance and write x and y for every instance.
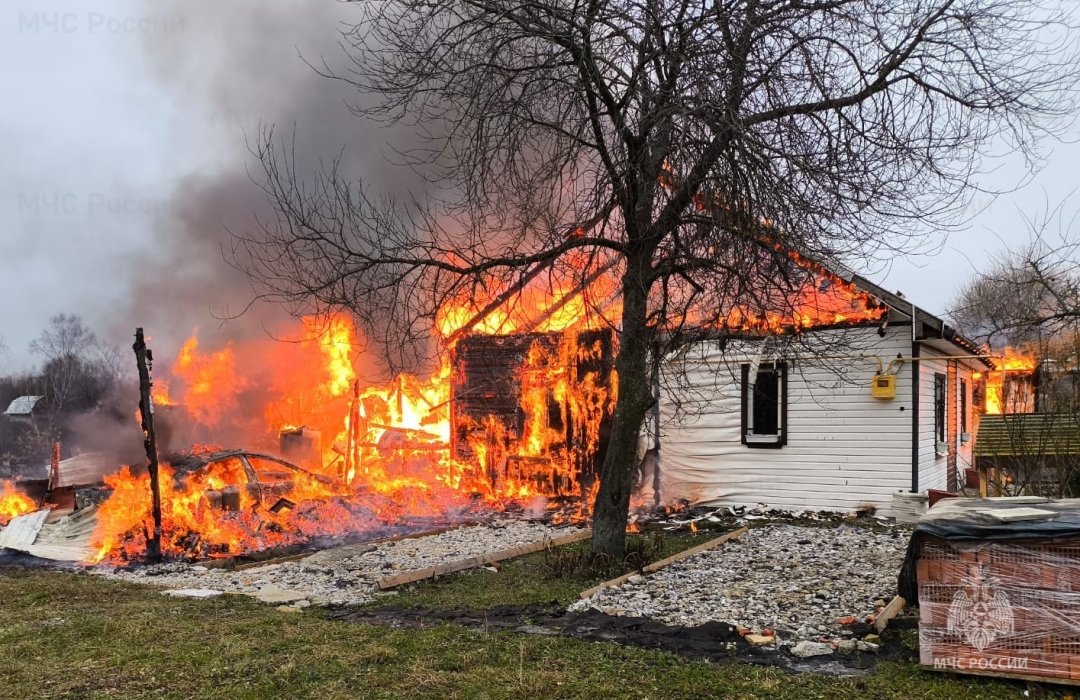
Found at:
(144, 359)
(54, 467)
(352, 449)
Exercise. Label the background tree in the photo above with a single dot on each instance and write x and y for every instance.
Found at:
(1028, 303)
(78, 369)
(1030, 294)
(77, 376)
(691, 146)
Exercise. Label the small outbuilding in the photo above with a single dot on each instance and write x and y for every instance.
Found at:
(25, 407)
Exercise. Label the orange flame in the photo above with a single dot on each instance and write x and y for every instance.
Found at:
(210, 381)
(1008, 387)
(13, 503)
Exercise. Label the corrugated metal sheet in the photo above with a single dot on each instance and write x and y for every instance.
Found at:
(23, 406)
(1028, 435)
(86, 469)
(67, 539)
(23, 530)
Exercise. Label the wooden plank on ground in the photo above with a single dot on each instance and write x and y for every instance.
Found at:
(285, 554)
(657, 565)
(480, 560)
(889, 612)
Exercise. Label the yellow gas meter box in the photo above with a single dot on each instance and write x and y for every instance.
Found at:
(883, 386)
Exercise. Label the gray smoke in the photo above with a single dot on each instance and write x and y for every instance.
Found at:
(242, 67)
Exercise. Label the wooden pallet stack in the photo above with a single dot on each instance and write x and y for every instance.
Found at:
(1004, 608)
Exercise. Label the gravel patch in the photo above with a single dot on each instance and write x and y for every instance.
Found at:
(803, 583)
(342, 575)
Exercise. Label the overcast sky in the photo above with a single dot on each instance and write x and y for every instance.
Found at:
(113, 108)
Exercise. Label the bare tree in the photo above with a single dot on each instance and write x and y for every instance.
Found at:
(78, 369)
(691, 146)
(1029, 301)
(1030, 295)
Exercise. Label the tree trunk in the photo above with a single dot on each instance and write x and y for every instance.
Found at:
(612, 507)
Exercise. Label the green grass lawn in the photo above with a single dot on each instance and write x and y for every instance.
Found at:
(79, 636)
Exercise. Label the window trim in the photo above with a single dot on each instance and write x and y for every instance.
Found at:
(964, 405)
(764, 441)
(941, 414)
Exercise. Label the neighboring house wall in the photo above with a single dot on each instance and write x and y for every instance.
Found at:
(844, 447)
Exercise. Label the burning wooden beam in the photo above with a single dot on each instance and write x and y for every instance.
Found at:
(144, 359)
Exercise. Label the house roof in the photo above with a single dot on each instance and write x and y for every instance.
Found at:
(1028, 435)
(23, 406)
(933, 327)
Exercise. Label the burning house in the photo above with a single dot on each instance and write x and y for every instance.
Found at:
(534, 408)
(269, 444)
(880, 401)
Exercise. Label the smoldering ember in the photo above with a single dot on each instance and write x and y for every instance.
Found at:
(548, 350)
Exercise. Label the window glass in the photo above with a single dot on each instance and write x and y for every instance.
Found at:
(765, 403)
(963, 406)
(939, 406)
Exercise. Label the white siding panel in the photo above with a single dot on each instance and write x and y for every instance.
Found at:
(933, 468)
(844, 447)
(964, 450)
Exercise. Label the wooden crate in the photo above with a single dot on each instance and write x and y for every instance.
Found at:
(1000, 608)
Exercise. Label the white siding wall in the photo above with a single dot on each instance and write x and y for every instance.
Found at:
(932, 466)
(964, 457)
(844, 447)
(933, 469)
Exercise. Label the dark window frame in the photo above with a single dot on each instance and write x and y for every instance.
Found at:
(781, 369)
(963, 406)
(941, 426)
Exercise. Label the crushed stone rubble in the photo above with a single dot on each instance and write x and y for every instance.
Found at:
(804, 588)
(339, 576)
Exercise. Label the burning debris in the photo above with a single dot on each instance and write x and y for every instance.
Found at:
(361, 458)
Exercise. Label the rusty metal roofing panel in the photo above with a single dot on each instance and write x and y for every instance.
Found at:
(86, 469)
